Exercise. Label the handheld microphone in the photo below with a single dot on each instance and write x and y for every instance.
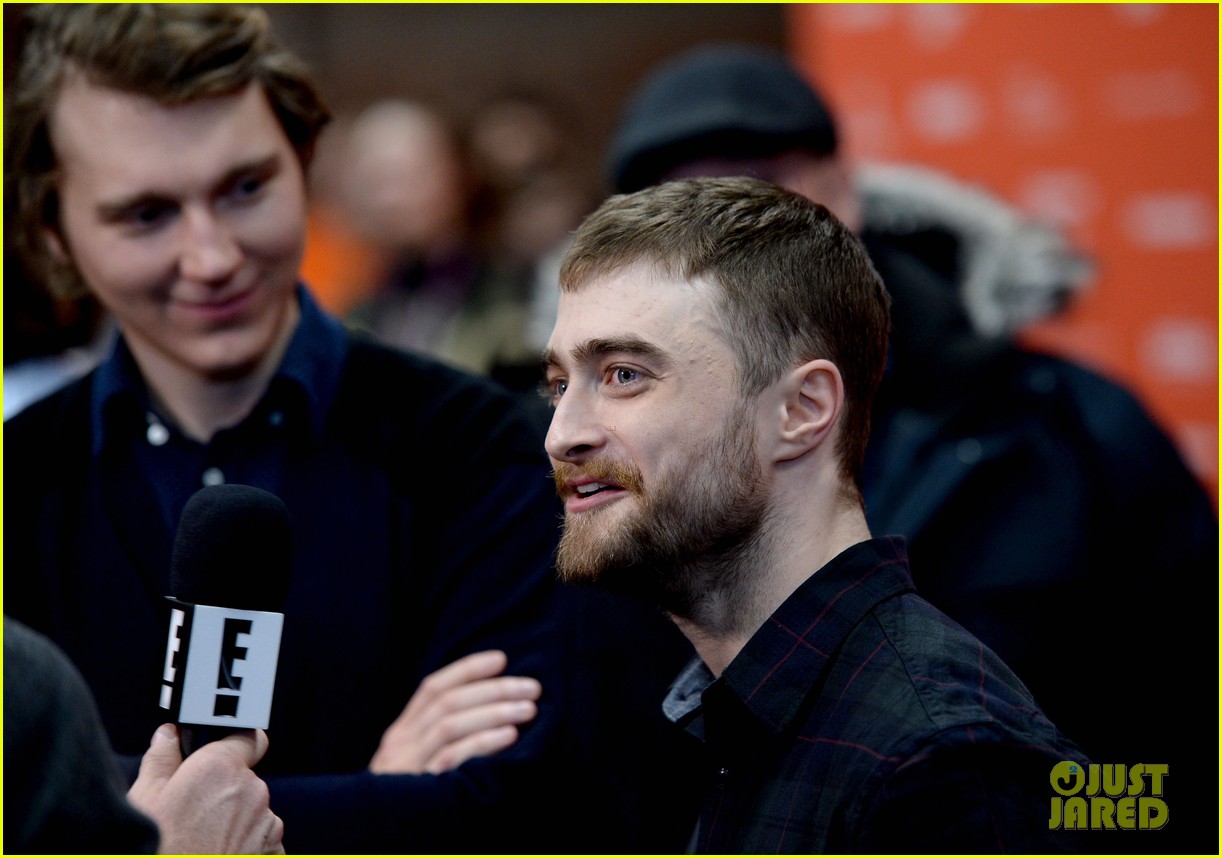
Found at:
(229, 578)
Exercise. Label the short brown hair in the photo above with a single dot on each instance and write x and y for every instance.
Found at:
(172, 53)
(792, 283)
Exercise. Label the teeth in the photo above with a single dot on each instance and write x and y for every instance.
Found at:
(589, 488)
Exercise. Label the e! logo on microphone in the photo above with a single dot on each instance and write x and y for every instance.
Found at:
(229, 677)
(220, 667)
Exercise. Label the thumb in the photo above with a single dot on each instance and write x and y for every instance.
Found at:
(162, 758)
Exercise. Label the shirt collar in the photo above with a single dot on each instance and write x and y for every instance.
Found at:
(775, 672)
(315, 358)
(683, 698)
(312, 364)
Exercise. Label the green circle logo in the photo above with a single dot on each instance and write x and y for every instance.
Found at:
(1067, 777)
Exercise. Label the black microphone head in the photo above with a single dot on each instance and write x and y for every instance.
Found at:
(234, 549)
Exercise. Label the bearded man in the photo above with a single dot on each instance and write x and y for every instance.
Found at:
(717, 346)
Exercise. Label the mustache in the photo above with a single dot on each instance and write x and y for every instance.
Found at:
(621, 474)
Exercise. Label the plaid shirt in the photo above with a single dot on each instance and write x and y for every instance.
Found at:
(860, 718)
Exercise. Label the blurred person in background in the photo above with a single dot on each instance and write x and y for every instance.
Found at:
(48, 340)
(521, 148)
(408, 190)
(1044, 509)
(521, 145)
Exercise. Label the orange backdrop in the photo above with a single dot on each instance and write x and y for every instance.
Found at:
(1101, 118)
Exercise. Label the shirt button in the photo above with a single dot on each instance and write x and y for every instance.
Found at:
(213, 477)
(157, 434)
(276, 418)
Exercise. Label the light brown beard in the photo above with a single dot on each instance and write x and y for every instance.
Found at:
(689, 533)
(581, 556)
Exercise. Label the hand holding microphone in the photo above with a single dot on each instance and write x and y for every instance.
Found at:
(211, 803)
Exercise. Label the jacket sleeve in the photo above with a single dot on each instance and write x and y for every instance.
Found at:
(483, 525)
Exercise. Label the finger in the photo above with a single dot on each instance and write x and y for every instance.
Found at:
(274, 842)
(480, 693)
(248, 746)
(458, 726)
(479, 744)
(455, 729)
(468, 733)
(423, 730)
(162, 758)
(411, 739)
(469, 668)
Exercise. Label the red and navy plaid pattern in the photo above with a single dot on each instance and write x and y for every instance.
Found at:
(861, 719)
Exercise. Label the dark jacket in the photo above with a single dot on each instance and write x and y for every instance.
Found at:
(1047, 512)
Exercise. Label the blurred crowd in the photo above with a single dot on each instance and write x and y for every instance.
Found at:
(434, 236)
